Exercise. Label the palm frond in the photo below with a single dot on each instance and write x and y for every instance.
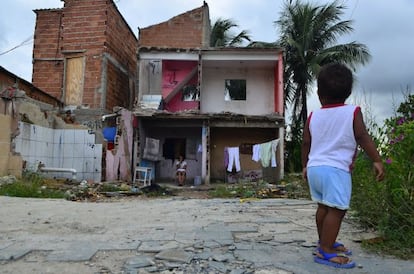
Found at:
(309, 33)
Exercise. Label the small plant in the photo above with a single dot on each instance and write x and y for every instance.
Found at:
(247, 189)
(31, 185)
(296, 187)
(238, 190)
(110, 188)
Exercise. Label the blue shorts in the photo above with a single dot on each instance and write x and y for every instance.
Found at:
(330, 186)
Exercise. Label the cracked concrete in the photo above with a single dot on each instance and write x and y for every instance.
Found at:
(170, 235)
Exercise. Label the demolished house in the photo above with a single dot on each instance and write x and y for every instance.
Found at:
(18, 98)
(215, 106)
(37, 136)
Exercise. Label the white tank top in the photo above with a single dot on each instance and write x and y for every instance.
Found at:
(332, 136)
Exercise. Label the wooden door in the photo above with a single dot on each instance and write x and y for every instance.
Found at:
(74, 81)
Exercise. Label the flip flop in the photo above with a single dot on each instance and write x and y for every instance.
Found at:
(326, 257)
(348, 252)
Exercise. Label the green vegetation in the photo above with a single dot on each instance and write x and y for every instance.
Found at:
(233, 191)
(292, 187)
(221, 35)
(106, 187)
(388, 206)
(309, 33)
(31, 185)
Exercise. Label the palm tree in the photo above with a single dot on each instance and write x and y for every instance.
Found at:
(308, 35)
(221, 37)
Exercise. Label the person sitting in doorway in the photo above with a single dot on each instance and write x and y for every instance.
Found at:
(181, 170)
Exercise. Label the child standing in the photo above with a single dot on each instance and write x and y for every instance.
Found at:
(330, 139)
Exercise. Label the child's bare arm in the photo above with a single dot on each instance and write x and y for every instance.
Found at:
(365, 141)
(306, 143)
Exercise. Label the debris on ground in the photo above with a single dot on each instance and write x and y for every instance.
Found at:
(90, 191)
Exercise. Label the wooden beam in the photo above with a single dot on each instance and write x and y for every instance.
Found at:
(180, 85)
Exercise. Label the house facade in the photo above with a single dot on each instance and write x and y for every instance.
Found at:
(201, 103)
(211, 105)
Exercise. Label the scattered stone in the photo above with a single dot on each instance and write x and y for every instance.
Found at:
(138, 262)
(223, 257)
(175, 255)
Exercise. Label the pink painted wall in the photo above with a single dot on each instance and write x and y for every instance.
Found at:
(279, 107)
(173, 73)
(121, 157)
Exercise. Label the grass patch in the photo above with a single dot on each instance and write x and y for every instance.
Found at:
(110, 188)
(388, 247)
(293, 186)
(31, 185)
(233, 191)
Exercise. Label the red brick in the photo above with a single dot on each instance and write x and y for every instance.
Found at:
(86, 25)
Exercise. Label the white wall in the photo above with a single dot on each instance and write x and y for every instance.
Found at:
(259, 91)
(63, 148)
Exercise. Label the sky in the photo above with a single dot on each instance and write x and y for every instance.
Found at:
(384, 26)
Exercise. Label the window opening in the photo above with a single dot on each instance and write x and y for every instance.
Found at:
(174, 147)
(235, 89)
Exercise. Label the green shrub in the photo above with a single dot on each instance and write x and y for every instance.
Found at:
(388, 206)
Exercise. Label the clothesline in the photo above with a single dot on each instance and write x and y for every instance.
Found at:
(264, 152)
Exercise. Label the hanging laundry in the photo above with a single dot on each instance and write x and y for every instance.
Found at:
(268, 153)
(234, 158)
(151, 149)
(275, 143)
(226, 157)
(256, 153)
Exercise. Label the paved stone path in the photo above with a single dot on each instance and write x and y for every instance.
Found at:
(170, 235)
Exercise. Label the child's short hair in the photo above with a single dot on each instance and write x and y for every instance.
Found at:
(335, 82)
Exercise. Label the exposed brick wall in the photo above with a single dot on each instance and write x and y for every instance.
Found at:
(47, 59)
(93, 29)
(83, 26)
(117, 87)
(92, 90)
(120, 43)
(187, 30)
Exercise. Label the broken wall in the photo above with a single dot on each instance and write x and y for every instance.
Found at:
(187, 30)
(118, 160)
(60, 148)
(10, 163)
